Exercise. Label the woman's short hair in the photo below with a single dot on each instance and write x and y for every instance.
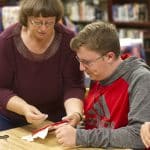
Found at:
(101, 37)
(37, 8)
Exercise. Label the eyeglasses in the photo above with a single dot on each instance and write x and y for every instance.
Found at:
(88, 62)
(47, 24)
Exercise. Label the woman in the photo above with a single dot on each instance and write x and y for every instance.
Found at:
(39, 75)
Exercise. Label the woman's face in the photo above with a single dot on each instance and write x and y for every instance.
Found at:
(41, 27)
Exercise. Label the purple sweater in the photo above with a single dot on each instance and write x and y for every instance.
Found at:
(46, 82)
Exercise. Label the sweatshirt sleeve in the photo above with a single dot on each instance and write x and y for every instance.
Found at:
(6, 71)
(139, 112)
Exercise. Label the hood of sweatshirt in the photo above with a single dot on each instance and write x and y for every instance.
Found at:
(128, 66)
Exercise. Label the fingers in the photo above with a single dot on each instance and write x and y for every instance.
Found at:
(145, 134)
(34, 116)
(73, 119)
(38, 120)
(73, 116)
(60, 134)
(39, 116)
(66, 135)
(59, 126)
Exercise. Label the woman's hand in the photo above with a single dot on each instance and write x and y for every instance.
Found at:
(20, 106)
(74, 110)
(33, 115)
(73, 119)
(145, 134)
(66, 135)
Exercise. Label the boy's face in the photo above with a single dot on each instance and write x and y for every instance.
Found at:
(92, 63)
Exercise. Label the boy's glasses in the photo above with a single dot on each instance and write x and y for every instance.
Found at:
(88, 62)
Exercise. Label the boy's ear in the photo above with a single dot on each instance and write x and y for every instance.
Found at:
(110, 56)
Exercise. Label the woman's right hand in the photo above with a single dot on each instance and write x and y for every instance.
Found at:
(33, 115)
(20, 106)
(145, 134)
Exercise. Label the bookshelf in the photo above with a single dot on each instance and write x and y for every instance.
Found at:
(83, 12)
(137, 18)
(142, 21)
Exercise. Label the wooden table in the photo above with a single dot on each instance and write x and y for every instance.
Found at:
(14, 141)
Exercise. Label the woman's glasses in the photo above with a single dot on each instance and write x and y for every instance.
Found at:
(47, 24)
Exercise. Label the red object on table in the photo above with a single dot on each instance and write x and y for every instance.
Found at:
(49, 125)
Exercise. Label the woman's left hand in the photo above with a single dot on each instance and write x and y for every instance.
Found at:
(66, 135)
(73, 119)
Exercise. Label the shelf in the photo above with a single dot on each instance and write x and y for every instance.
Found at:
(131, 24)
(128, 1)
(8, 2)
(138, 25)
(83, 22)
(147, 50)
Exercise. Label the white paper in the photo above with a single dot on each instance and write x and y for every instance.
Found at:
(41, 134)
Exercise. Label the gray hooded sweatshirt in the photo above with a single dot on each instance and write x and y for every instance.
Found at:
(136, 74)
